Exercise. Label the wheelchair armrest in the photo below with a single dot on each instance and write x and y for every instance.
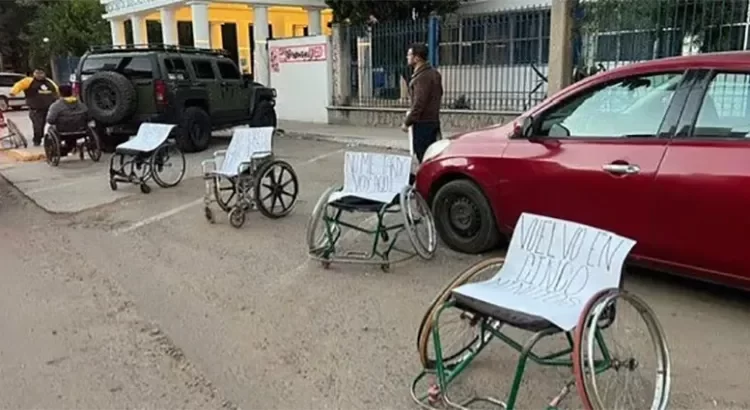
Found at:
(261, 154)
(244, 165)
(220, 153)
(208, 166)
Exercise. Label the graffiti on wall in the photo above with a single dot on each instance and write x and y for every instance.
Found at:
(297, 54)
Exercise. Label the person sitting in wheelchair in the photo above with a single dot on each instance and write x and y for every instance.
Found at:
(68, 116)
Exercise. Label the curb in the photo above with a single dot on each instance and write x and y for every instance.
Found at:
(23, 155)
(351, 141)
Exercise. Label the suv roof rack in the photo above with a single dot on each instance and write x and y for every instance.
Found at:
(156, 47)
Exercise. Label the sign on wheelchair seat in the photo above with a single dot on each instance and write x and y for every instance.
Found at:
(149, 137)
(246, 144)
(377, 177)
(552, 268)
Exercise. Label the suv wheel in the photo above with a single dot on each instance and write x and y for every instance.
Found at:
(195, 130)
(264, 115)
(110, 97)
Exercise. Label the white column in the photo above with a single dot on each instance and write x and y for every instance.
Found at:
(313, 22)
(118, 32)
(260, 56)
(139, 29)
(201, 30)
(168, 25)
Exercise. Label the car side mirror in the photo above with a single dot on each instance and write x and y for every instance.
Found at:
(522, 127)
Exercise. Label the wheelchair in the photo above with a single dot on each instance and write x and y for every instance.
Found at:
(13, 137)
(148, 155)
(458, 326)
(247, 176)
(72, 135)
(339, 207)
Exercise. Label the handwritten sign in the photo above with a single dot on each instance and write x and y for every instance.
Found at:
(150, 136)
(246, 143)
(552, 268)
(297, 54)
(378, 177)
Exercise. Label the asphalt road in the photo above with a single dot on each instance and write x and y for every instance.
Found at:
(143, 304)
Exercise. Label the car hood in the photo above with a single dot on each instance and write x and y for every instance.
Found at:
(492, 133)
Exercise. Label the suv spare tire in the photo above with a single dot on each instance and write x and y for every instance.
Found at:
(110, 97)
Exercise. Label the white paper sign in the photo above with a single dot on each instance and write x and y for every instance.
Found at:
(552, 268)
(246, 144)
(149, 137)
(377, 177)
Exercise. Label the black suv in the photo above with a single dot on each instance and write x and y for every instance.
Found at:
(198, 90)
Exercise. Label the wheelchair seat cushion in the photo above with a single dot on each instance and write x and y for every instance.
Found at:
(357, 204)
(511, 317)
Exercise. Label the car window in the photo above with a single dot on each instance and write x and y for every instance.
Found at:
(228, 71)
(8, 80)
(176, 69)
(133, 67)
(203, 69)
(725, 112)
(630, 107)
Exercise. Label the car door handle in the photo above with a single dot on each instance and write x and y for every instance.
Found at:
(622, 169)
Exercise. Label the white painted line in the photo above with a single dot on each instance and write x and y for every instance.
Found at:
(53, 187)
(158, 217)
(175, 211)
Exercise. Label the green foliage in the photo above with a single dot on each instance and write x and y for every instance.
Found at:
(70, 27)
(358, 12)
(15, 16)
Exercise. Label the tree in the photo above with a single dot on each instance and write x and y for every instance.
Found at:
(70, 27)
(358, 12)
(15, 16)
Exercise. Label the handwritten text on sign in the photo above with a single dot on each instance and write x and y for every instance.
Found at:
(366, 172)
(297, 54)
(553, 267)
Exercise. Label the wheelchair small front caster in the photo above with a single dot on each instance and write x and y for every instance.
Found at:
(237, 217)
(145, 188)
(326, 264)
(385, 267)
(208, 214)
(112, 184)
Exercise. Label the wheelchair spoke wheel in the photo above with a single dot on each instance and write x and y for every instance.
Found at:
(621, 363)
(19, 139)
(420, 226)
(225, 192)
(318, 239)
(276, 189)
(168, 165)
(459, 331)
(52, 149)
(93, 145)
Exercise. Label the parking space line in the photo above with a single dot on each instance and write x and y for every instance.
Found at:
(174, 211)
(53, 187)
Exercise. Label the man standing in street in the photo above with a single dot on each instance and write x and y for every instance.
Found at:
(425, 92)
(40, 93)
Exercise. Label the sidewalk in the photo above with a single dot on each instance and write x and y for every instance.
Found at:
(391, 138)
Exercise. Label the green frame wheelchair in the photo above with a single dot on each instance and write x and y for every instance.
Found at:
(332, 217)
(587, 352)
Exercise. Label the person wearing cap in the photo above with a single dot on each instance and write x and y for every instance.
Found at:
(40, 93)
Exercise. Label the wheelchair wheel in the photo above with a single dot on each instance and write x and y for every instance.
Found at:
(52, 149)
(459, 331)
(276, 189)
(420, 227)
(168, 165)
(613, 377)
(93, 145)
(317, 239)
(18, 138)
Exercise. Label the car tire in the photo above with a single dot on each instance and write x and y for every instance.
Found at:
(107, 141)
(264, 115)
(114, 110)
(464, 218)
(195, 130)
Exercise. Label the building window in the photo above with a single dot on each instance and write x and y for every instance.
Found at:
(185, 33)
(128, 27)
(299, 30)
(499, 39)
(153, 32)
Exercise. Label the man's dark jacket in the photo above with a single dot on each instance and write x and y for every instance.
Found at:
(425, 91)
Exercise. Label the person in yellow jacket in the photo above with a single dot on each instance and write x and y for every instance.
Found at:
(40, 93)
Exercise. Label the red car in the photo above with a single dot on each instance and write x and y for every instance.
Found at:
(656, 151)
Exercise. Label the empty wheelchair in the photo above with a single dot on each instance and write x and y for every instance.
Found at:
(148, 155)
(247, 176)
(10, 136)
(558, 279)
(73, 134)
(378, 185)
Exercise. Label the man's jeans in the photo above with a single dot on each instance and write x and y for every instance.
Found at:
(38, 119)
(423, 135)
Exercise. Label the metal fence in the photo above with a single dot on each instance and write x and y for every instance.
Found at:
(609, 33)
(489, 62)
(64, 67)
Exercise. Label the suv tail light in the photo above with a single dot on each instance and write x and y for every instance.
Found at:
(160, 92)
(77, 89)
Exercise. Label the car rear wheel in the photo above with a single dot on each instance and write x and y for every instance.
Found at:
(464, 218)
(195, 130)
